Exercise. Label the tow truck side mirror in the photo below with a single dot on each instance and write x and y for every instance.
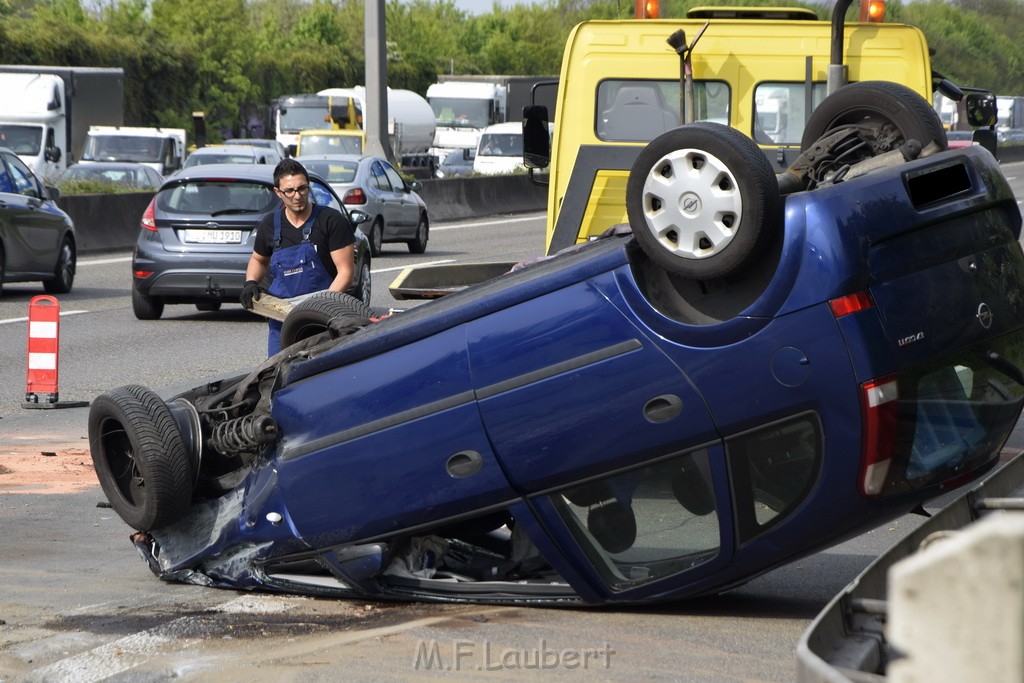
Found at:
(536, 139)
(981, 109)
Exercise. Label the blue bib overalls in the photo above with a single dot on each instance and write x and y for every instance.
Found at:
(297, 270)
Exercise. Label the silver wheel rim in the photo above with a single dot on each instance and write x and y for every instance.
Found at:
(692, 204)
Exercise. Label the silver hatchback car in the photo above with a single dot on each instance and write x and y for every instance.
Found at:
(373, 186)
(197, 234)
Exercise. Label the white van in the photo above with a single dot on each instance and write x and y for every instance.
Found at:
(500, 149)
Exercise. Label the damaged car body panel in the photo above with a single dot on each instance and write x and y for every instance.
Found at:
(597, 427)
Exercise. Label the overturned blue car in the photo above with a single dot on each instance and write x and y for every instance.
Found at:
(615, 424)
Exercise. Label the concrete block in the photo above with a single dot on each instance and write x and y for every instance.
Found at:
(956, 607)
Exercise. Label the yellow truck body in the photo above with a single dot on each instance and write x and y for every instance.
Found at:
(620, 87)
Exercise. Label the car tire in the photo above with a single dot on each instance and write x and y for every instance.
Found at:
(888, 114)
(365, 283)
(732, 209)
(140, 457)
(146, 307)
(376, 236)
(311, 316)
(418, 244)
(208, 306)
(64, 271)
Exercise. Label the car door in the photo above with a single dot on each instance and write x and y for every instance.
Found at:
(606, 437)
(32, 233)
(389, 200)
(408, 209)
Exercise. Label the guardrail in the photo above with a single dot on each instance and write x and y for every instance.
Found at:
(110, 222)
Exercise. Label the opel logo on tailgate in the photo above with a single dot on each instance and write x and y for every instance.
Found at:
(984, 315)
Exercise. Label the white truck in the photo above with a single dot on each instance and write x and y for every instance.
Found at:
(162, 149)
(410, 118)
(46, 112)
(464, 105)
(462, 109)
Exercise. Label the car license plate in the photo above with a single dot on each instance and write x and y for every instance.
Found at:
(213, 236)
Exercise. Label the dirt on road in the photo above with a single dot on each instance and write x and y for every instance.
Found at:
(38, 465)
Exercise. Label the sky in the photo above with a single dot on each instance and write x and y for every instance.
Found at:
(484, 6)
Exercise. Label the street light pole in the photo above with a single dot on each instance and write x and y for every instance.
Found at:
(375, 119)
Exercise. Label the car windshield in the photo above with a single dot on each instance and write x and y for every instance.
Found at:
(214, 158)
(21, 139)
(333, 171)
(501, 145)
(217, 197)
(117, 176)
(122, 148)
(330, 144)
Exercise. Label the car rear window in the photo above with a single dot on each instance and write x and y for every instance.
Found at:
(333, 171)
(220, 196)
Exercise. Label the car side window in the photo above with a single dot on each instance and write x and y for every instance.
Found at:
(380, 179)
(324, 197)
(396, 180)
(5, 179)
(24, 182)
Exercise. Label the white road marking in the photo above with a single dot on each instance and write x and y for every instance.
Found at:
(413, 265)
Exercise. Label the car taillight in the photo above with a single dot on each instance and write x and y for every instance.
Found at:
(355, 196)
(851, 303)
(879, 400)
(149, 216)
(142, 274)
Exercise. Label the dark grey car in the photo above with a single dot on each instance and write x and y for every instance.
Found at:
(37, 239)
(125, 173)
(197, 234)
(372, 185)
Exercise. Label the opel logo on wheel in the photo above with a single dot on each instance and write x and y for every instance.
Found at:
(984, 315)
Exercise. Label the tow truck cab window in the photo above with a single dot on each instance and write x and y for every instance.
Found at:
(780, 111)
(641, 110)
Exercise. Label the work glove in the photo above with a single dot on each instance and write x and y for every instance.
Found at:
(250, 292)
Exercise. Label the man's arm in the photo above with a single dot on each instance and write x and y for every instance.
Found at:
(344, 261)
(257, 267)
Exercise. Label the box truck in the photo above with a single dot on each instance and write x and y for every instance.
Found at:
(46, 111)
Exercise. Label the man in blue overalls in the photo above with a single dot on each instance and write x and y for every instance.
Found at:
(307, 247)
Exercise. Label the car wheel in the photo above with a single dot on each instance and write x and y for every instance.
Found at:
(418, 245)
(312, 315)
(376, 237)
(365, 284)
(703, 201)
(146, 307)
(208, 306)
(140, 458)
(885, 115)
(64, 272)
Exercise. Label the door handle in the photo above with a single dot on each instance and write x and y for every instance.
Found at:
(663, 408)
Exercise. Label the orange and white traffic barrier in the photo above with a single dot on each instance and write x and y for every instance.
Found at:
(43, 346)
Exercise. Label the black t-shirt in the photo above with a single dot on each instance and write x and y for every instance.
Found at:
(331, 231)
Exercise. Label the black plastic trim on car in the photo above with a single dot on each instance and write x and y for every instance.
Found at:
(459, 399)
(559, 368)
(589, 160)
